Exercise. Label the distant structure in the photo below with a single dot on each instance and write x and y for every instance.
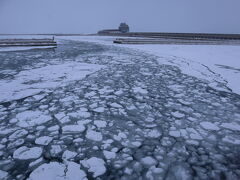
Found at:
(123, 28)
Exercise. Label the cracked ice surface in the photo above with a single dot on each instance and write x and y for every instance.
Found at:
(132, 119)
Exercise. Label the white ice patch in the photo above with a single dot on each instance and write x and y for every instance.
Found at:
(209, 126)
(175, 133)
(139, 90)
(177, 114)
(44, 140)
(18, 134)
(32, 118)
(31, 82)
(154, 133)
(231, 126)
(3, 174)
(67, 155)
(58, 171)
(73, 129)
(95, 165)
(99, 109)
(94, 135)
(148, 161)
(109, 154)
(24, 153)
(100, 124)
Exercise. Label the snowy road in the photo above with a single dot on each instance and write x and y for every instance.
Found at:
(85, 111)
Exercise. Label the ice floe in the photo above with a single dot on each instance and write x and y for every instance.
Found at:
(32, 82)
(58, 171)
(44, 140)
(32, 118)
(94, 135)
(73, 129)
(109, 154)
(95, 166)
(209, 126)
(25, 153)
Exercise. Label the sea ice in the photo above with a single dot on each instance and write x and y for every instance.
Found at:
(3, 174)
(109, 154)
(58, 171)
(209, 126)
(33, 81)
(25, 153)
(99, 109)
(94, 165)
(44, 140)
(32, 118)
(231, 126)
(67, 155)
(175, 133)
(139, 90)
(148, 161)
(55, 150)
(154, 133)
(18, 134)
(100, 124)
(94, 135)
(73, 129)
(177, 114)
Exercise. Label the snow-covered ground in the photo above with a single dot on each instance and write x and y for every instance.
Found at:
(211, 62)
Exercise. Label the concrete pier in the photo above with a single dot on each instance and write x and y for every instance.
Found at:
(27, 42)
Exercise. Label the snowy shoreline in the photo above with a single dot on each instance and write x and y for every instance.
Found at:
(210, 62)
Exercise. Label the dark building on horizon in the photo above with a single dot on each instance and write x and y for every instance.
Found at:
(123, 28)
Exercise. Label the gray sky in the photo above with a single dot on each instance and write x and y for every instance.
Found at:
(89, 16)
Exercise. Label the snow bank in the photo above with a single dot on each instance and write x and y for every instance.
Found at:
(211, 62)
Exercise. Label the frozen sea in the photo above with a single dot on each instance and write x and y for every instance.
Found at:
(92, 111)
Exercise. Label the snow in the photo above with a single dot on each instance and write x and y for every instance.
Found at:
(58, 171)
(94, 165)
(209, 126)
(94, 135)
(25, 153)
(33, 81)
(32, 118)
(44, 140)
(210, 62)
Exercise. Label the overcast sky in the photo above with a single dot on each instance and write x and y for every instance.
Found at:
(89, 16)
